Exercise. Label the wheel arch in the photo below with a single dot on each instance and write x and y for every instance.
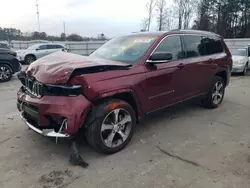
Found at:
(223, 74)
(127, 95)
(8, 64)
(30, 54)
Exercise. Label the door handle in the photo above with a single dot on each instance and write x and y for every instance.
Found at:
(181, 65)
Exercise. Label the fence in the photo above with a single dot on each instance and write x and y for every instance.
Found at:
(82, 48)
(85, 48)
(238, 42)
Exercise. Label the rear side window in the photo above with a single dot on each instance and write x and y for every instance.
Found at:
(171, 45)
(55, 46)
(212, 45)
(194, 46)
(58, 46)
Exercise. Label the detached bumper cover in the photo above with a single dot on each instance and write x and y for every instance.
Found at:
(45, 132)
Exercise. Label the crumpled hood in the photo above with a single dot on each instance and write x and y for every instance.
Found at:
(238, 58)
(58, 67)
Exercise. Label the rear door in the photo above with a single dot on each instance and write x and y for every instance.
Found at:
(195, 65)
(214, 57)
(164, 80)
(53, 48)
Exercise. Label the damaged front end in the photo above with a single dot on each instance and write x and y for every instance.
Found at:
(54, 99)
(51, 110)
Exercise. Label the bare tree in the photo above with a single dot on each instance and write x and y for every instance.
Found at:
(180, 12)
(169, 18)
(189, 7)
(150, 8)
(185, 10)
(144, 25)
(161, 14)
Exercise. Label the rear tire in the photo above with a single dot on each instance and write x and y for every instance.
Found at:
(5, 73)
(113, 127)
(29, 59)
(216, 94)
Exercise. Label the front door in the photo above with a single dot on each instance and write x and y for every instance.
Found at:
(42, 51)
(164, 80)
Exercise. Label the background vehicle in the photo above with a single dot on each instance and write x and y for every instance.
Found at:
(37, 51)
(121, 82)
(6, 48)
(240, 60)
(8, 65)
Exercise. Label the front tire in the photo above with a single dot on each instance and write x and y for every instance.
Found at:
(29, 59)
(113, 127)
(244, 73)
(215, 97)
(5, 73)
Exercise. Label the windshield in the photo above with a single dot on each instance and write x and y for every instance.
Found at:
(128, 49)
(240, 52)
(33, 47)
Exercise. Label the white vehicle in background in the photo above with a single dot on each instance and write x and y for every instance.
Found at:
(241, 60)
(37, 51)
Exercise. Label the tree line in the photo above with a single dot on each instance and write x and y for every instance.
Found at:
(9, 34)
(229, 18)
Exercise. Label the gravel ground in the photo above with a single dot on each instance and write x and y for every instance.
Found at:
(182, 147)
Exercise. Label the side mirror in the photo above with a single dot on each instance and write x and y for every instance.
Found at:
(37, 49)
(160, 57)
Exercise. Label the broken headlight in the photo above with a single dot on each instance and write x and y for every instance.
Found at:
(61, 90)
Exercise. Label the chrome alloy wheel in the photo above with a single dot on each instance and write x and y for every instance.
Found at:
(217, 94)
(5, 73)
(116, 127)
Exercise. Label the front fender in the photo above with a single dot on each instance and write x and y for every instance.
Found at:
(94, 113)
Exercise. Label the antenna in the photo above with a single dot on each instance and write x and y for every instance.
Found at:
(37, 12)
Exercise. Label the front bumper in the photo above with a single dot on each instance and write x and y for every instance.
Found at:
(44, 132)
(20, 58)
(238, 69)
(46, 115)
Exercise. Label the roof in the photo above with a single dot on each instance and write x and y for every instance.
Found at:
(160, 33)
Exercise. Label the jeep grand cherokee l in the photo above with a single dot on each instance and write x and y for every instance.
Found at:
(105, 94)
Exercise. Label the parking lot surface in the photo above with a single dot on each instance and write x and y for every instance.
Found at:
(181, 147)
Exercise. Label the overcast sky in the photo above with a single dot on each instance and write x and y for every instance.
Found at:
(85, 17)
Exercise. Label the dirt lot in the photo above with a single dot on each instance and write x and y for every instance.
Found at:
(185, 146)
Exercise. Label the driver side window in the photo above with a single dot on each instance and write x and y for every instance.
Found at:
(43, 47)
(171, 45)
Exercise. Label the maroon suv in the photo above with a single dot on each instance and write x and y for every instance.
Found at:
(104, 95)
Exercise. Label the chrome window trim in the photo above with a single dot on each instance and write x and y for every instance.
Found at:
(180, 35)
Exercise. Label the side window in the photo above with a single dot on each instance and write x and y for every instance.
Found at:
(248, 51)
(43, 47)
(194, 46)
(212, 45)
(172, 45)
(51, 46)
(59, 46)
